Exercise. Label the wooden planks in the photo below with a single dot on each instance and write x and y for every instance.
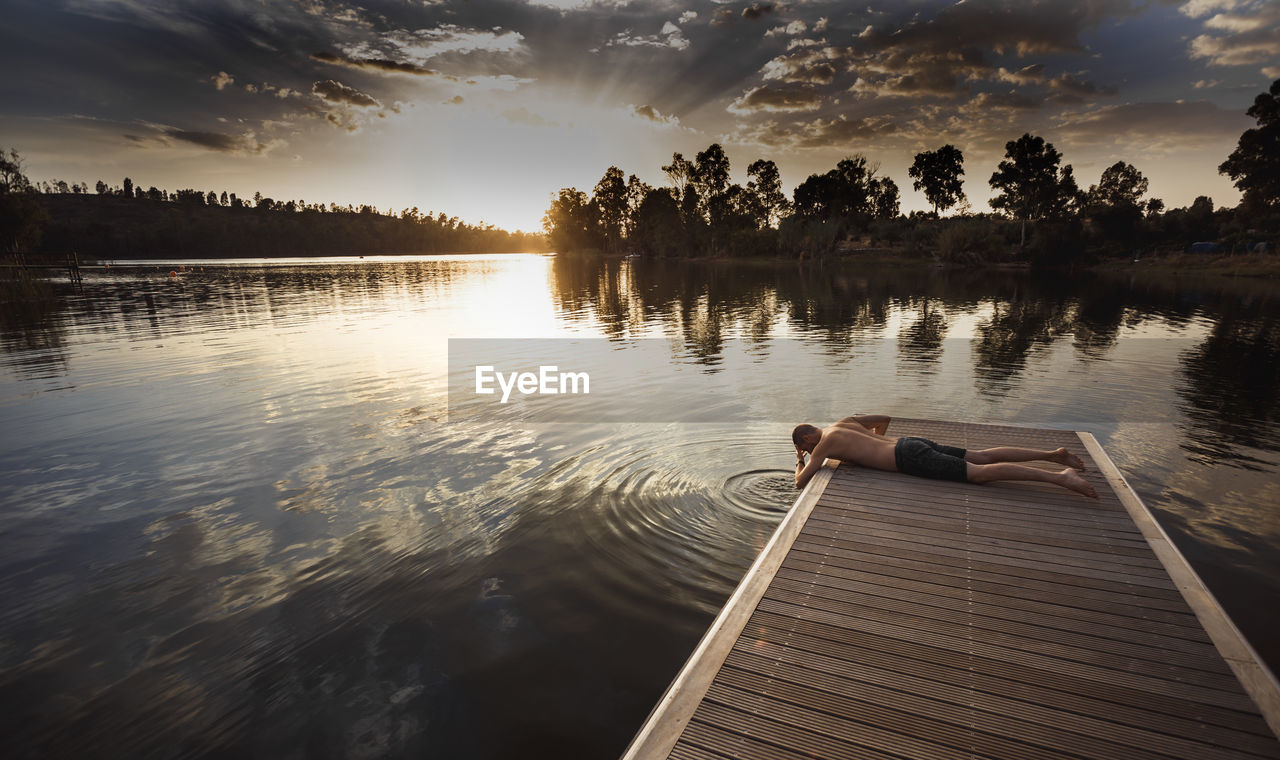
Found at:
(896, 617)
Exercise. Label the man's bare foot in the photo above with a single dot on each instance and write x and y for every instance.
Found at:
(1062, 456)
(1071, 479)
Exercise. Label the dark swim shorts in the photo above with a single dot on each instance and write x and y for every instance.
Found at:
(924, 458)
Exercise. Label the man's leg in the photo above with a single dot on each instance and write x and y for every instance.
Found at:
(1012, 454)
(1068, 478)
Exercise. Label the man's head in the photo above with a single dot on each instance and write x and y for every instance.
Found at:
(806, 436)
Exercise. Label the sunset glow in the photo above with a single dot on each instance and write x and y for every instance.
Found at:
(484, 109)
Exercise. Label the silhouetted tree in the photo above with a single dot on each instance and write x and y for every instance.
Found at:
(101, 187)
(571, 223)
(1255, 163)
(21, 217)
(1114, 208)
(1031, 184)
(128, 188)
(938, 173)
(611, 206)
(766, 183)
(679, 172)
(711, 172)
(659, 229)
(1120, 185)
(851, 192)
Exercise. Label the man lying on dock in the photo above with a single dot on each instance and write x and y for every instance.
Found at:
(861, 440)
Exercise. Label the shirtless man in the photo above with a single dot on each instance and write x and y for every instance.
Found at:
(861, 440)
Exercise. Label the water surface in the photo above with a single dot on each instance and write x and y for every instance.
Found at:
(239, 518)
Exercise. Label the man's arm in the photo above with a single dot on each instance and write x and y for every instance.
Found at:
(876, 423)
(805, 472)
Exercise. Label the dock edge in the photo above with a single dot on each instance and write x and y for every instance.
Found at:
(667, 721)
(1254, 675)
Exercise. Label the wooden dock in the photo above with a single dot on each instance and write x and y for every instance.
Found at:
(901, 618)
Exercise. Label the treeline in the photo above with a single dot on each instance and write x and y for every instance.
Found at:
(127, 221)
(1041, 213)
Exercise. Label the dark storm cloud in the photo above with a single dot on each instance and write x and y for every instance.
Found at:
(756, 10)
(374, 64)
(337, 92)
(223, 143)
(766, 98)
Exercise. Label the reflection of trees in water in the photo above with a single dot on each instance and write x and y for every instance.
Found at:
(920, 341)
(1008, 336)
(1228, 387)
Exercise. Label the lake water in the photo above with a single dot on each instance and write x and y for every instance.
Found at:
(242, 518)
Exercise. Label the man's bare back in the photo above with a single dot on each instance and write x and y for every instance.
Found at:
(860, 440)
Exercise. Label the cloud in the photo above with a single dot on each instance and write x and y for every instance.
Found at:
(819, 133)
(1032, 74)
(671, 36)
(777, 99)
(1068, 89)
(1198, 8)
(221, 80)
(923, 73)
(1248, 33)
(422, 45)
(652, 114)
(336, 92)
(687, 16)
(795, 27)
(456, 100)
(757, 10)
(246, 144)
(384, 65)
(810, 65)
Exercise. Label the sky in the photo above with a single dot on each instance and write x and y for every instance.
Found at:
(484, 109)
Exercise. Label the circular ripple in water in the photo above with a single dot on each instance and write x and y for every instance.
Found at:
(761, 492)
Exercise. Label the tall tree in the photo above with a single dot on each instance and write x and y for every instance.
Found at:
(1031, 184)
(1114, 206)
(1255, 163)
(128, 188)
(1121, 184)
(884, 198)
(711, 171)
(636, 192)
(679, 172)
(766, 183)
(938, 173)
(610, 200)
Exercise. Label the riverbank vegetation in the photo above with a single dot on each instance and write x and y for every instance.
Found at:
(1042, 216)
(127, 221)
